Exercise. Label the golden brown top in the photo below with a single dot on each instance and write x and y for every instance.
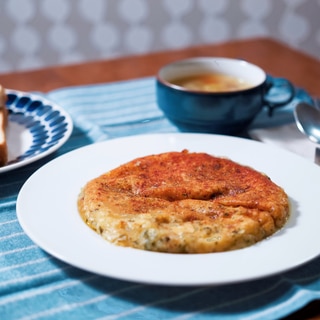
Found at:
(3, 97)
(178, 176)
(184, 202)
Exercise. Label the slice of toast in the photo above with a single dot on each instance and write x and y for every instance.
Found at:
(3, 127)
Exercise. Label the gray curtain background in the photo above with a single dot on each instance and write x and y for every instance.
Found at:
(38, 33)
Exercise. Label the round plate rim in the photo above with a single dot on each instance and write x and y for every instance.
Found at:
(62, 140)
(163, 264)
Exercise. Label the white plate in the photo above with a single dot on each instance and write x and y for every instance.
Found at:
(37, 127)
(47, 211)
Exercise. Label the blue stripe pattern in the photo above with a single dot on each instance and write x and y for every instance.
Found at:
(34, 285)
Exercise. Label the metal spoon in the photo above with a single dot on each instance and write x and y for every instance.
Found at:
(308, 122)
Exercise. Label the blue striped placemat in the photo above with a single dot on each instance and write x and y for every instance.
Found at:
(34, 285)
(129, 108)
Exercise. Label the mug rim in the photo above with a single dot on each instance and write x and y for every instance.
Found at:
(201, 60)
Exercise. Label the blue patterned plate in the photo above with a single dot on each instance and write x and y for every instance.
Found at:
(37, 127)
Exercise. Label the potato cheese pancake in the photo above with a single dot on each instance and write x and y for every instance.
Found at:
(183, 202)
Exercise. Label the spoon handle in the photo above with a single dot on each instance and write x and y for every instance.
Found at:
(317, 156)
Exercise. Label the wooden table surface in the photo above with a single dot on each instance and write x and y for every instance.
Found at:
(275, 58)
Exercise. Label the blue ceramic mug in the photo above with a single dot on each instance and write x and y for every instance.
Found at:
(228, 110)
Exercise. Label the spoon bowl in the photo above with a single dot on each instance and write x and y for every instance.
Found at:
(308, 121)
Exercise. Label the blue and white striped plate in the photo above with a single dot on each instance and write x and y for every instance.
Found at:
(37, 127)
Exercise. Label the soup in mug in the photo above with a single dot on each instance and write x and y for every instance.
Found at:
(213, 82)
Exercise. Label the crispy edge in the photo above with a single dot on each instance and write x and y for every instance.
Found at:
(3, 127)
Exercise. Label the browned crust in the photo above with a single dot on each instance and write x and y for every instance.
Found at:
(3, 127)
(239, 204)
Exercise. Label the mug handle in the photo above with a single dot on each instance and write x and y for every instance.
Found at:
(278, 93)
